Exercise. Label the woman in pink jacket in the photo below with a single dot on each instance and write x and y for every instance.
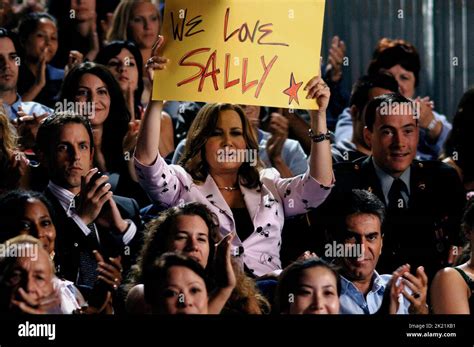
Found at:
(220, 169)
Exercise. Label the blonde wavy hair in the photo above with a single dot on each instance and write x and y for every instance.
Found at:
(121, 19)
(8, 138)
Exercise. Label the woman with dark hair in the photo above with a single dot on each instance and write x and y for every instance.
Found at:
(38, 80)
(309, 286)
(452, 291)
(459, 147)
(193, 230)
(220, 168)
(124, 61)
(177, 284)
(14, 209)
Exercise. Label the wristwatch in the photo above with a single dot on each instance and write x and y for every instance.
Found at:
(432, 124)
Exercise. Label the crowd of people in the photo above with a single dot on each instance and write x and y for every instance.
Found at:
(114, 203)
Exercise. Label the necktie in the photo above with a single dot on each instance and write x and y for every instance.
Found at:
(87, 262)
(395, 197)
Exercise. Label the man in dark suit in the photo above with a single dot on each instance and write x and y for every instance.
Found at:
(424, 199)
(98, 234)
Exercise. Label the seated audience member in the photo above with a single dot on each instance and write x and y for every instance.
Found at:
(8, 18)
(274, 148)
(27, 280)
(250, 201)
(39, 81)
(124, 61)
(89, 217)
(358, 230)
(452, 291)
(414, 192)
(309, 286)
(12, 10)
(193, 230)
(176, 284)
(459, 147)
(13, 163)
(364, 90)
(30, 213)
(401, 59)
(9, 67)
(78, 38)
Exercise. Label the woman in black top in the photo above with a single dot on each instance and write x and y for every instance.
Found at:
(452, 291)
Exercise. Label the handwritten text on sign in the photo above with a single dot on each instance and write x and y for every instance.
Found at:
(259, 52)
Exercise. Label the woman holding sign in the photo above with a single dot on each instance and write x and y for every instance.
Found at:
(219, 171)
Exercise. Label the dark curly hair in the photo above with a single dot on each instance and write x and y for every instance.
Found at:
(389, 53)
(159, 230)
(155, 277)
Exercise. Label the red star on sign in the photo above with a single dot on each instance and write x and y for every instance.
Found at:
(292, 90)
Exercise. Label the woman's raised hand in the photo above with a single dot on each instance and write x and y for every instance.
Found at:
(156, 62)
(319, 90)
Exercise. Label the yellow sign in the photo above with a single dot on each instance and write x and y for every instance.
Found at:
(253, 52)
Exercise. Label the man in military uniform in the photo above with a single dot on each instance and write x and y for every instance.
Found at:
(424, 199)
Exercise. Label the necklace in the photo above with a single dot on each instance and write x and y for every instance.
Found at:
(229, 189)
